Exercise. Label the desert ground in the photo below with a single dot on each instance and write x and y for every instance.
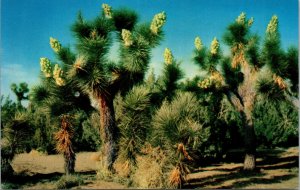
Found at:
(276, 169)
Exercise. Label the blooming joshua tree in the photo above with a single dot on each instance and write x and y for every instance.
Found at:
(242, 78)
(91, 70)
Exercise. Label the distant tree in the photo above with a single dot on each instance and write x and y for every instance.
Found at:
(102, 79)
(20, 91)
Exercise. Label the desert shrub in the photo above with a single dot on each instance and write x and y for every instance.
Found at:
(133, 113)
(90, 139)
(152, 168)
(276, 123)
(68, 181)
(6, 158)
(177, 127)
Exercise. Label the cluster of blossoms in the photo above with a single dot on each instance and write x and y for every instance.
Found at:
(250, 21)
(107, 10)
(198, 44)
(157, 22)
(205, 83)
(241, 19)
(168, 56)
(57, 75)
(273, 25)
(127, 38)
(46, 66)
(214, 47)
(217, 79)
(55, 45)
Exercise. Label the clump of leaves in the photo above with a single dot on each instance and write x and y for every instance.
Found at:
(68, 181)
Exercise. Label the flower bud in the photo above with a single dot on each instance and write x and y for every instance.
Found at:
(157, 22)
(57, 75)
(107, 10)
(214, 47)
(168, 56)
(127, 38)
(46, 66)
(55, 45)
(241, 18)
(273, 25)
(250, 21)
(198, 43)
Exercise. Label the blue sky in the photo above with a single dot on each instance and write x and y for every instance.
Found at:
(26, 26)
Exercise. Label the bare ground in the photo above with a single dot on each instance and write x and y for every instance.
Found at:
(276, 169)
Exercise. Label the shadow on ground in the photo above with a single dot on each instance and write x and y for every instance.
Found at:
(271, 168)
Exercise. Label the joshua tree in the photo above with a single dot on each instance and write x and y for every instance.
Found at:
(20, 92)
(246, 74)
(96, 75)
(64, 144)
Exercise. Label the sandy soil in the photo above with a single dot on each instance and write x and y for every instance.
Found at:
(275, 170)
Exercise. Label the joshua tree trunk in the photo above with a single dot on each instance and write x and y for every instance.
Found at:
(250, 146)
(108, 123)
(69, 163)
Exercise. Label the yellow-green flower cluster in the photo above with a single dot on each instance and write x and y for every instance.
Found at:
(273, 25)
(168, 56)
(198, 44)
(57, 75)
(241, 18)
(157, 22)
(250, 21)
(55, 45)
(127, 38)
(46, 66)
(206, 83)
(217, 79)
(214, 47)
(107, 10)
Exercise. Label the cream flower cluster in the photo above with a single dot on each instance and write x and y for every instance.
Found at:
(46, 66)
(55, 45)
(107, 10)
(198, 43)
(205, 83)
(127, 38)
(157, 22)
(273, 25)
(214, 47)
(241, 18)
(168, 56)
(250, 21)
(57, 75)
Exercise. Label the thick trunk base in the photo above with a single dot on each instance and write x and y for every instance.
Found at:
(249, 162)
(70, 164)
(108, 123)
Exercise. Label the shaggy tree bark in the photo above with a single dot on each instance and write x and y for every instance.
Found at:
(108, 123)
(69, 163)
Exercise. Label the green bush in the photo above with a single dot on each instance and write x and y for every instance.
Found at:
(276, 123)
(68, 181)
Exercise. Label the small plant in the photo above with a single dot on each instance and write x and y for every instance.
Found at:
(64, 144)
(68, 181)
